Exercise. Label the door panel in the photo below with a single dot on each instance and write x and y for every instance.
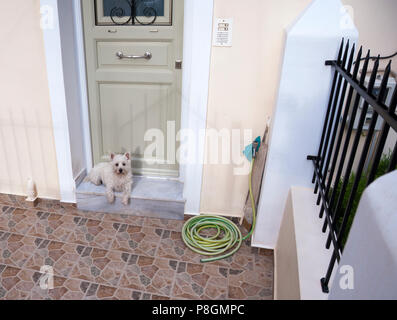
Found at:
(159, 51)
(138, 107)
(128, 96)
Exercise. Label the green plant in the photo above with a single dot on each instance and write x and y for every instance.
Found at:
(381, 170)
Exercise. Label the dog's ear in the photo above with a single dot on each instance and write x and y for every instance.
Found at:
(112, 155)
(127, 155)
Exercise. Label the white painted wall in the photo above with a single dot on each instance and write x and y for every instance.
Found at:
(371, 249)
(196, 70)
(27, 148)
(56, 84)
(242, 91)
(82, 79)
(72, 85)
(300, 111)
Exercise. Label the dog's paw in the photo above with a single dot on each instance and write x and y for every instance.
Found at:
(125, 201)
(111, 198)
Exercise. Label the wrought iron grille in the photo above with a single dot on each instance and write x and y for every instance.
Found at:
(332, 175)
(129, 12)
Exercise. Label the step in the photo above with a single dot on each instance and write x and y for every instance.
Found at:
(150, 197)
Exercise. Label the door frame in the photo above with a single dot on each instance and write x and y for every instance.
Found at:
(197, 44)
(165, 81)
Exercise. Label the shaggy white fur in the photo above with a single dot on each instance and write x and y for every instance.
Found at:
(115, 175)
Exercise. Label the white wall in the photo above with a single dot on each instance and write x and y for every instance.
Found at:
(196, 61)
(242, 89)
(300, 110)
(27, 148)
(58, 102)
(72, 85)
(371, 249)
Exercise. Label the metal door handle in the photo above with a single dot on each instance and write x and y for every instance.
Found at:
(147, 56)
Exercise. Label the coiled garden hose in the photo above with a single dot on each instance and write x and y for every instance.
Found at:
(228, 237)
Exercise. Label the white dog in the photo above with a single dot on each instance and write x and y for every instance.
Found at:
(115, 175)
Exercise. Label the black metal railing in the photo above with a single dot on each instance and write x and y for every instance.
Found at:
(335, 180)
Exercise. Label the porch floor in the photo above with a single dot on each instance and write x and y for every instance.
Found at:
(114, 256)
(150, 197)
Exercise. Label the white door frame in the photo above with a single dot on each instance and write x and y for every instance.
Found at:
(195, 82)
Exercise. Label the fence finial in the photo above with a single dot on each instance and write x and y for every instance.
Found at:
(341, 49)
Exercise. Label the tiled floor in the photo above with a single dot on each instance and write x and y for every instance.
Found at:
(110, 256)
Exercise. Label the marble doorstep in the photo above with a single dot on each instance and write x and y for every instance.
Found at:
(150, 197)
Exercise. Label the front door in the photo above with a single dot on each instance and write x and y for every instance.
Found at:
(133, 57)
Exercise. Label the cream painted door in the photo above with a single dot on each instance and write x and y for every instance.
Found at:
(132, 52)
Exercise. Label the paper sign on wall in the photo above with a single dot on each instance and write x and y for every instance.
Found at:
(223, 33)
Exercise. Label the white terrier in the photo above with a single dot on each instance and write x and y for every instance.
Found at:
(115, 175)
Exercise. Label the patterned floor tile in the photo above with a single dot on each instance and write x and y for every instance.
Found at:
(20, 284)
(123, 294)
(57, 207)
(16, 220)
(65, 289)
(171, 246)
(245, 284)
(124, 219)
(46, 226)
(174, 225)
(86, 214)
(15, 249)
(157, 297)
(138, 240)
(61, 256)
(94, 233)
(99, 266)
(147, 274)
(200, 281)
(65, 229)
(97, 256)
(12, 200)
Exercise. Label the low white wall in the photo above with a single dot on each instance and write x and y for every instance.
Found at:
(299, 115)
(301, 258)
(371, 249)
(286, 279)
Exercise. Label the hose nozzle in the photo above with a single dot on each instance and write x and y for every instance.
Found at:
(254, 148)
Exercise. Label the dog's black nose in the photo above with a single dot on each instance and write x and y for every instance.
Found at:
(120, 170)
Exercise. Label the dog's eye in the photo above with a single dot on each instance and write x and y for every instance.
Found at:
(124, 164)
(117, 164)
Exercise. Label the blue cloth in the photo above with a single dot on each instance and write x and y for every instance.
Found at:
(248, 151)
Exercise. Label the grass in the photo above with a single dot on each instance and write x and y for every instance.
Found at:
(381, 170)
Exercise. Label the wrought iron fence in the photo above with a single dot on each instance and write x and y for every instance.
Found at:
(352, 96)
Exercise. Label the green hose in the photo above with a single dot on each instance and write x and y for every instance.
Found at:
(221, 247)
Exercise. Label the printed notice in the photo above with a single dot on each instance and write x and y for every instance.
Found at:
(223, 33)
